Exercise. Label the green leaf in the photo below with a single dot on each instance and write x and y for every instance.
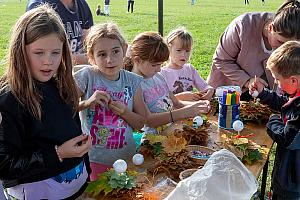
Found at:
(92, 186)
(96, 187)
(111, 181)
(157, 148)
(204, 117)
(252, 156)
(107, 190)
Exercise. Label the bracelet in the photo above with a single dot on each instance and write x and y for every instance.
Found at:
(58, 155)
(172, 119)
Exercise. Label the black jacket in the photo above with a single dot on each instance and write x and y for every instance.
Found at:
(285, 131)
(27, 152)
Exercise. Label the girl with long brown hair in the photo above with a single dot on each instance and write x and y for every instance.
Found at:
(42, 149)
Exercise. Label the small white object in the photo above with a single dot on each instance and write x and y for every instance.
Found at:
(138, 159)
(120, 166)
(238, 125)
(255, 94)
(197, 121)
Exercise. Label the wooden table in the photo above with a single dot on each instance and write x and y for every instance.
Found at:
(217, 136)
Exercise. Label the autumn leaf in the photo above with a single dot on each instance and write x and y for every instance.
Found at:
(154, 138)
(173, 144)
(255, 112)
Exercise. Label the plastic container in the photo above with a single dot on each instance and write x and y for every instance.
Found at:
(227, 115)
(138, 140)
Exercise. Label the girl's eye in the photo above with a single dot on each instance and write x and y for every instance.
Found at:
(156, 65)
(39, 53)
(116, 51)
(101, 54)
(56, 53)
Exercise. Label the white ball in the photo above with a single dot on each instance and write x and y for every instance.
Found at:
(138, 159)
(197, 121)
(120, 166)
(254, 94)
(238, 125)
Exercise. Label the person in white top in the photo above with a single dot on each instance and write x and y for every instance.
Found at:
(180, 75)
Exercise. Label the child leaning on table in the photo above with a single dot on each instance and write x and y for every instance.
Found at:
(284, 129)
(181, 76)
(109, 95)
(147, 53)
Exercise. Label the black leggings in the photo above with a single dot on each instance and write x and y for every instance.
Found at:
(130, 4)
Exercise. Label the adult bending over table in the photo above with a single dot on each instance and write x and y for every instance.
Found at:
(247, 43)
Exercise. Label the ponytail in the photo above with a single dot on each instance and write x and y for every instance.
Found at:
(128, 64)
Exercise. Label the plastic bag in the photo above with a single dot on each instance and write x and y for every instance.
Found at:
(161, 189)
(223, 176)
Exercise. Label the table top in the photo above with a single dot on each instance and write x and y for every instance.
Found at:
(217, 136)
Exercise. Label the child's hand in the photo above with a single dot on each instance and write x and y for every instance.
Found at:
(206, 94)
(99, 97)
(117, 107)
(188, 96)
(199, 107)
(75, 147)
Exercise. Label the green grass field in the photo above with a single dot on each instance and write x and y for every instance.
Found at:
(206, 21)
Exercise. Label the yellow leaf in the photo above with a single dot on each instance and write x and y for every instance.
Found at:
(155, 138)
(173, 144)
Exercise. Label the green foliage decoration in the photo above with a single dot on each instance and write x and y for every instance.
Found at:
(110, 181)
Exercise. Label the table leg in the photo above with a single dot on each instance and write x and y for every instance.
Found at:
(264, 180)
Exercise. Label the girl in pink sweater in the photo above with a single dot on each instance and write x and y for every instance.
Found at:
(181, 76)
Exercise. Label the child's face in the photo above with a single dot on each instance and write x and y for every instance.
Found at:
(44, 56)
(275, 40)
(288, 85)
(178, 55)
(108, 55)
(148, 69)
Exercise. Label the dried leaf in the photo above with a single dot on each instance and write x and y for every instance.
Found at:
(255, 112)
(154, 138)
(197, 136)
(173, 144)
(245, 149)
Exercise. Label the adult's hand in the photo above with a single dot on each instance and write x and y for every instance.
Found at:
(259, 81)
